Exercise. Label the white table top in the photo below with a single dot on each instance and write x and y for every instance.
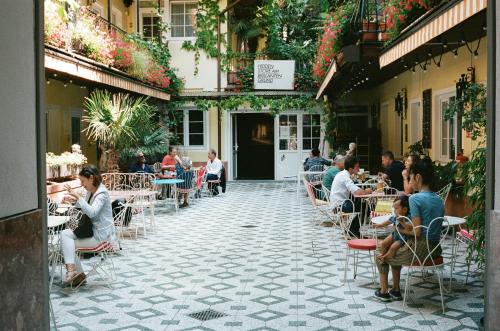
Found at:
(128, 194)
(452, 220)
(381, 219)
(54, 221)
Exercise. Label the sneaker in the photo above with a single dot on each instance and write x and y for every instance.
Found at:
(395, 295)
(386, 297)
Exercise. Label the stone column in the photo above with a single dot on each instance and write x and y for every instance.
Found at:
(23, 247)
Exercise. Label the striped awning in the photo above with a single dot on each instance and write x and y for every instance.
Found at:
(75, 67)
(331, 71)
(450, 18)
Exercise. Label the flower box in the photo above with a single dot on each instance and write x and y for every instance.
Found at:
(370, 31)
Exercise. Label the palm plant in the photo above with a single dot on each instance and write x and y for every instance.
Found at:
(115, 122)
(153, 144)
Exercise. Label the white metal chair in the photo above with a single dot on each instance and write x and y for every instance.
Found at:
(103, 265)
(429, 261)
(352, 242)
(210, 185)
(321, 207)
(444, 192)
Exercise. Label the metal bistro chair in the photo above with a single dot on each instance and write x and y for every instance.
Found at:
(321, 207)
(444, 192)
(103, 266)
(428, 261)
(354, 243)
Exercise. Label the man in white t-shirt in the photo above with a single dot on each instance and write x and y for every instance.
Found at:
(213, 169)
(343, 187)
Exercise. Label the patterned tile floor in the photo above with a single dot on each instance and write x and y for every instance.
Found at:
(256, 259)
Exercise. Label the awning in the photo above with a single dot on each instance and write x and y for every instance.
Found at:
(450, 18)
(73, 66)
(329, 75)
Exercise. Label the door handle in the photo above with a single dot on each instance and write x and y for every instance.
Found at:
(283, 157)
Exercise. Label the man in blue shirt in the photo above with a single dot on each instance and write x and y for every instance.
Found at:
(140, 165)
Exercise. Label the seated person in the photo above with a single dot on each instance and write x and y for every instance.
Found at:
(170, 160)
(333, 171)
(393, 242)
(315, 160)
(140, 165)
(393, 171)
(185, 173)
(425, 207)
(213, 169)
(342, 188)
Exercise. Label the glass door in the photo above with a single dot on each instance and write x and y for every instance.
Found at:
(288, 154)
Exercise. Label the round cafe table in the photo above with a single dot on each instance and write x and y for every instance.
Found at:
(55, 221)
(172, 182)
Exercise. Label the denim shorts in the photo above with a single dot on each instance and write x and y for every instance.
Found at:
(397, 237)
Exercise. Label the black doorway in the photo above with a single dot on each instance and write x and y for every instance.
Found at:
(255, 139)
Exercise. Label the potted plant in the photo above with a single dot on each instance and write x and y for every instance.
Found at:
(115, 122)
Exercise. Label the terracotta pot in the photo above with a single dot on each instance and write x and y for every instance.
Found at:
(383, 35)
(370, 31)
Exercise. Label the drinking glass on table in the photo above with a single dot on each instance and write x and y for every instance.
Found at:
(361, 175)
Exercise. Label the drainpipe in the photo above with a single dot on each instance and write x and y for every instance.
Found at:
(219, 124)
(109, 15)
(137, 16)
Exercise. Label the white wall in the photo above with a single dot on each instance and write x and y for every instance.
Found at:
(18, 161)
(184, 61)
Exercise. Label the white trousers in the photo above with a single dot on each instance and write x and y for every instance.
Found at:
(69, 243)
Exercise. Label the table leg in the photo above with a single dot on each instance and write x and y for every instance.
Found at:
(453, 255)
(176, 200)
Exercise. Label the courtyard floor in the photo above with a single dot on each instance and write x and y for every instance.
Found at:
(255, 258)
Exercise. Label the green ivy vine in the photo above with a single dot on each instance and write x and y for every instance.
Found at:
(258, 103)
(206, 31)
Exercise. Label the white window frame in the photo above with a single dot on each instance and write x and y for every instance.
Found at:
(185, 125)
(311, 137)
(444, 155)
(169, 18)
(150, 12)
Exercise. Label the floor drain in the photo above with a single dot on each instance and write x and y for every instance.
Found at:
(249, 226)
(206, 315)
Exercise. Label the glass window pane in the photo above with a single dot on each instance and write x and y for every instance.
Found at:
(316, 119)
(293, 131)
(196, 127)
(156, 20)
(306, 120)
(177, 31)
(195, 115)
(191, 8)
(293, 119)
(306, 144)
(283, 120)
(195, 140)
(177, 20)
(146, 20)
(146, 31)
(177, 8)
(315, 143)
(283, 144)
(316, 131)
(307, 132)
(189, 31)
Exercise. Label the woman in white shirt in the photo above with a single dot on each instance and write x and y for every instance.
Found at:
(97, 206)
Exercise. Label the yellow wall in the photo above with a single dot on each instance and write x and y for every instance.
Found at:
(126, 18)
(201, 154)
(440, 81)
(62, 102)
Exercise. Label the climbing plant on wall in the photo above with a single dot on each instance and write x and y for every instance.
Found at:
(206, 31)
(472, 107)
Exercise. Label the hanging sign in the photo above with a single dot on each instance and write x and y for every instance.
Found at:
(273, 75)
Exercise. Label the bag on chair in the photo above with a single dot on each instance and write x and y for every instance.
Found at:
(84, 228)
